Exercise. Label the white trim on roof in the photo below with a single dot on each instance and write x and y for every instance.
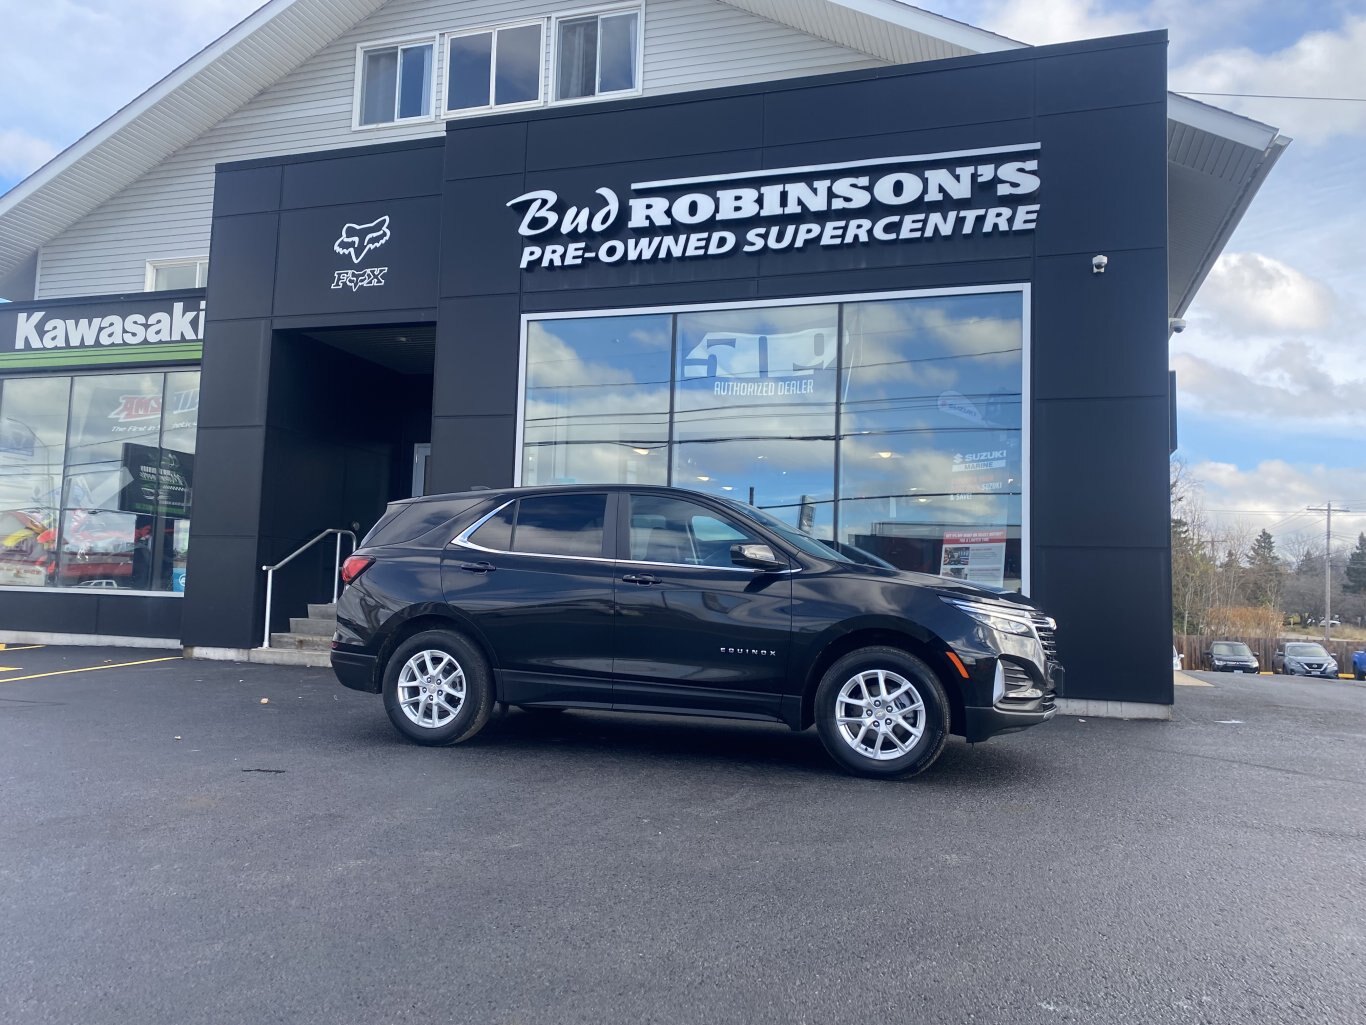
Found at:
(1218, 121)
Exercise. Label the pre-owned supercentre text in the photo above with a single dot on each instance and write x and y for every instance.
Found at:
(867, 205)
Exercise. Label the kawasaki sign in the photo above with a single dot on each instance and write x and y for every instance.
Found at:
(98, 332)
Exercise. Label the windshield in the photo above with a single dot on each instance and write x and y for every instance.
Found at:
(1232, 649)
(1306, 651)
(797, 538)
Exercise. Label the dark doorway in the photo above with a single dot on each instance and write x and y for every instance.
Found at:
(348, 410)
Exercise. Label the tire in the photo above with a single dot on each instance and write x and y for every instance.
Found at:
(429, 660)
(1359, 675)
(860, 681)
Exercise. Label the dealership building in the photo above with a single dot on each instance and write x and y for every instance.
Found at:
(898, 280)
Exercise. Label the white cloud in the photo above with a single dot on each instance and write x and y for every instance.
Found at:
(119, 54)
(1055, 21)
(1287, 384)
(21, 153)
(1324, 63)
(1276, 495)
(1257, 294)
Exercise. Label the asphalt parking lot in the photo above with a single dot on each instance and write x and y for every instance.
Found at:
(172, 850)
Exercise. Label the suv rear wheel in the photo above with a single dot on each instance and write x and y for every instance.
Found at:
(881, 712)
(437, 688)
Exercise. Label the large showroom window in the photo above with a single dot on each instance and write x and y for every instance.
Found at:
(97, 479)
(892, 426)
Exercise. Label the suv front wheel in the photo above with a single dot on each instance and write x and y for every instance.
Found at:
(883, 713)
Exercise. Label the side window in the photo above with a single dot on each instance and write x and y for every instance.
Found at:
(560, 525)
(496, 533)
(395, 83)
(495, 68)
(681, 532)
(597, 54)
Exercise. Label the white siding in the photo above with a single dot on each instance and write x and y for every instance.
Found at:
(689, 44)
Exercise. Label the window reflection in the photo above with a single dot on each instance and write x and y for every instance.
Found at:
(597, 401)
(754, 401)
(914, 403)
(930, 450)
(96, 479)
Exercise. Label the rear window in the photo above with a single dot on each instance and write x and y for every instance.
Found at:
(560, 525)
(407, 521)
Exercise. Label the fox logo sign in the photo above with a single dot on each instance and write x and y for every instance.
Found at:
(358, 239)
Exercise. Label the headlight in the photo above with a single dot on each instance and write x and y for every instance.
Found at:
(1332, 666)
(990, 615)
(1293, 663)
(1218, 661)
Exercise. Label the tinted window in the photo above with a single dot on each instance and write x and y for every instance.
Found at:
(672, 530)
(410, 520)
(496, 533)
(1305, 651)
(560, 525)
(1227, 648)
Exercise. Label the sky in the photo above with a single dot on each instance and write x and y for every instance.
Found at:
(1270, 370)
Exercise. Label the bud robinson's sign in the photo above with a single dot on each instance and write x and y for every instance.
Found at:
(888, 200)
(157, 329)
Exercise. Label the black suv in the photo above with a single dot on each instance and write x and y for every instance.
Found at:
(652, 599)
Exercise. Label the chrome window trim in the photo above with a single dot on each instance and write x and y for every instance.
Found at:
(462, 540)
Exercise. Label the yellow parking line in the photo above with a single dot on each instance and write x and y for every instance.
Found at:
(91, 669)
(21, 647)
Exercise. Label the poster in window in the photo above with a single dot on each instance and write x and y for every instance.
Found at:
(977, 556)
(160, 481)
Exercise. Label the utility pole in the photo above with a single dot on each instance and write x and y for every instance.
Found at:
(1327, 566)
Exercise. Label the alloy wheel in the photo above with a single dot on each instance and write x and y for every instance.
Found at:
(880, 714)
(431, 688)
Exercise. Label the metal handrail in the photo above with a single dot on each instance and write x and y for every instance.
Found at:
(336, 570)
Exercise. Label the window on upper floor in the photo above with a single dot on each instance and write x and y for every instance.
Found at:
(394, 82)
(597, 54)
(501, 67)
(166, 275)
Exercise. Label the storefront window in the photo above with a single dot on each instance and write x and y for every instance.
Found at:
(597, 400)
(754, 409)
(930, 439)
(96, 480)
(894, 426)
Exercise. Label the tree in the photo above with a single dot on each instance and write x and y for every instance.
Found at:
(1264, 574)
(1356, 568)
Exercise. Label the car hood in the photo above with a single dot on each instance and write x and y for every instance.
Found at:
(955, 588)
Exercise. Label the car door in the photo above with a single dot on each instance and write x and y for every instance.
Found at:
(535, 578)
(695, 632)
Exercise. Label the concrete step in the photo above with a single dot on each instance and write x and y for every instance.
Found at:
(328, 611)
(289, 657)
(313, 627)
(301, 642)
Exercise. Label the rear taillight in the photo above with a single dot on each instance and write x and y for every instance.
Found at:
(354, 566)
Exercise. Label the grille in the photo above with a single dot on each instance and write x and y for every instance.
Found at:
(1015, 676)
(1046, 636)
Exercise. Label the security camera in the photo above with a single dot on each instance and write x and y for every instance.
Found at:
(1098, 264)
(1177, 325)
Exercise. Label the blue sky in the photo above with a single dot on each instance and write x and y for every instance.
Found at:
(1271, 373)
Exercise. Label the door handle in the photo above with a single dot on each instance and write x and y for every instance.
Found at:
(640, 578)
(478, 567)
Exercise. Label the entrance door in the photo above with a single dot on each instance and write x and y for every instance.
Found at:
(421, 454)
(693, 630)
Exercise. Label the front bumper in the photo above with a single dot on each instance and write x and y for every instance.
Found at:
(355, 671)
(981, 724)
(1229, 667)
(1009, 715)
(1322, 674)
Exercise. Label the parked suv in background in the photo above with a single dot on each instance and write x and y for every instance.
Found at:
(1305, 659)
(1231, 657)
(650, 599)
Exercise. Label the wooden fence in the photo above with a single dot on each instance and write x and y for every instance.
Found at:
(1193, 648)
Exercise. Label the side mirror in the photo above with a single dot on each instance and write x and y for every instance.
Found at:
(759, 557)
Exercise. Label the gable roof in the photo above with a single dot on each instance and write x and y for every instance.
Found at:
(1218, 159)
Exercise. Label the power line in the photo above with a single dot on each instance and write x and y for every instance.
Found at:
(1277, 96)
